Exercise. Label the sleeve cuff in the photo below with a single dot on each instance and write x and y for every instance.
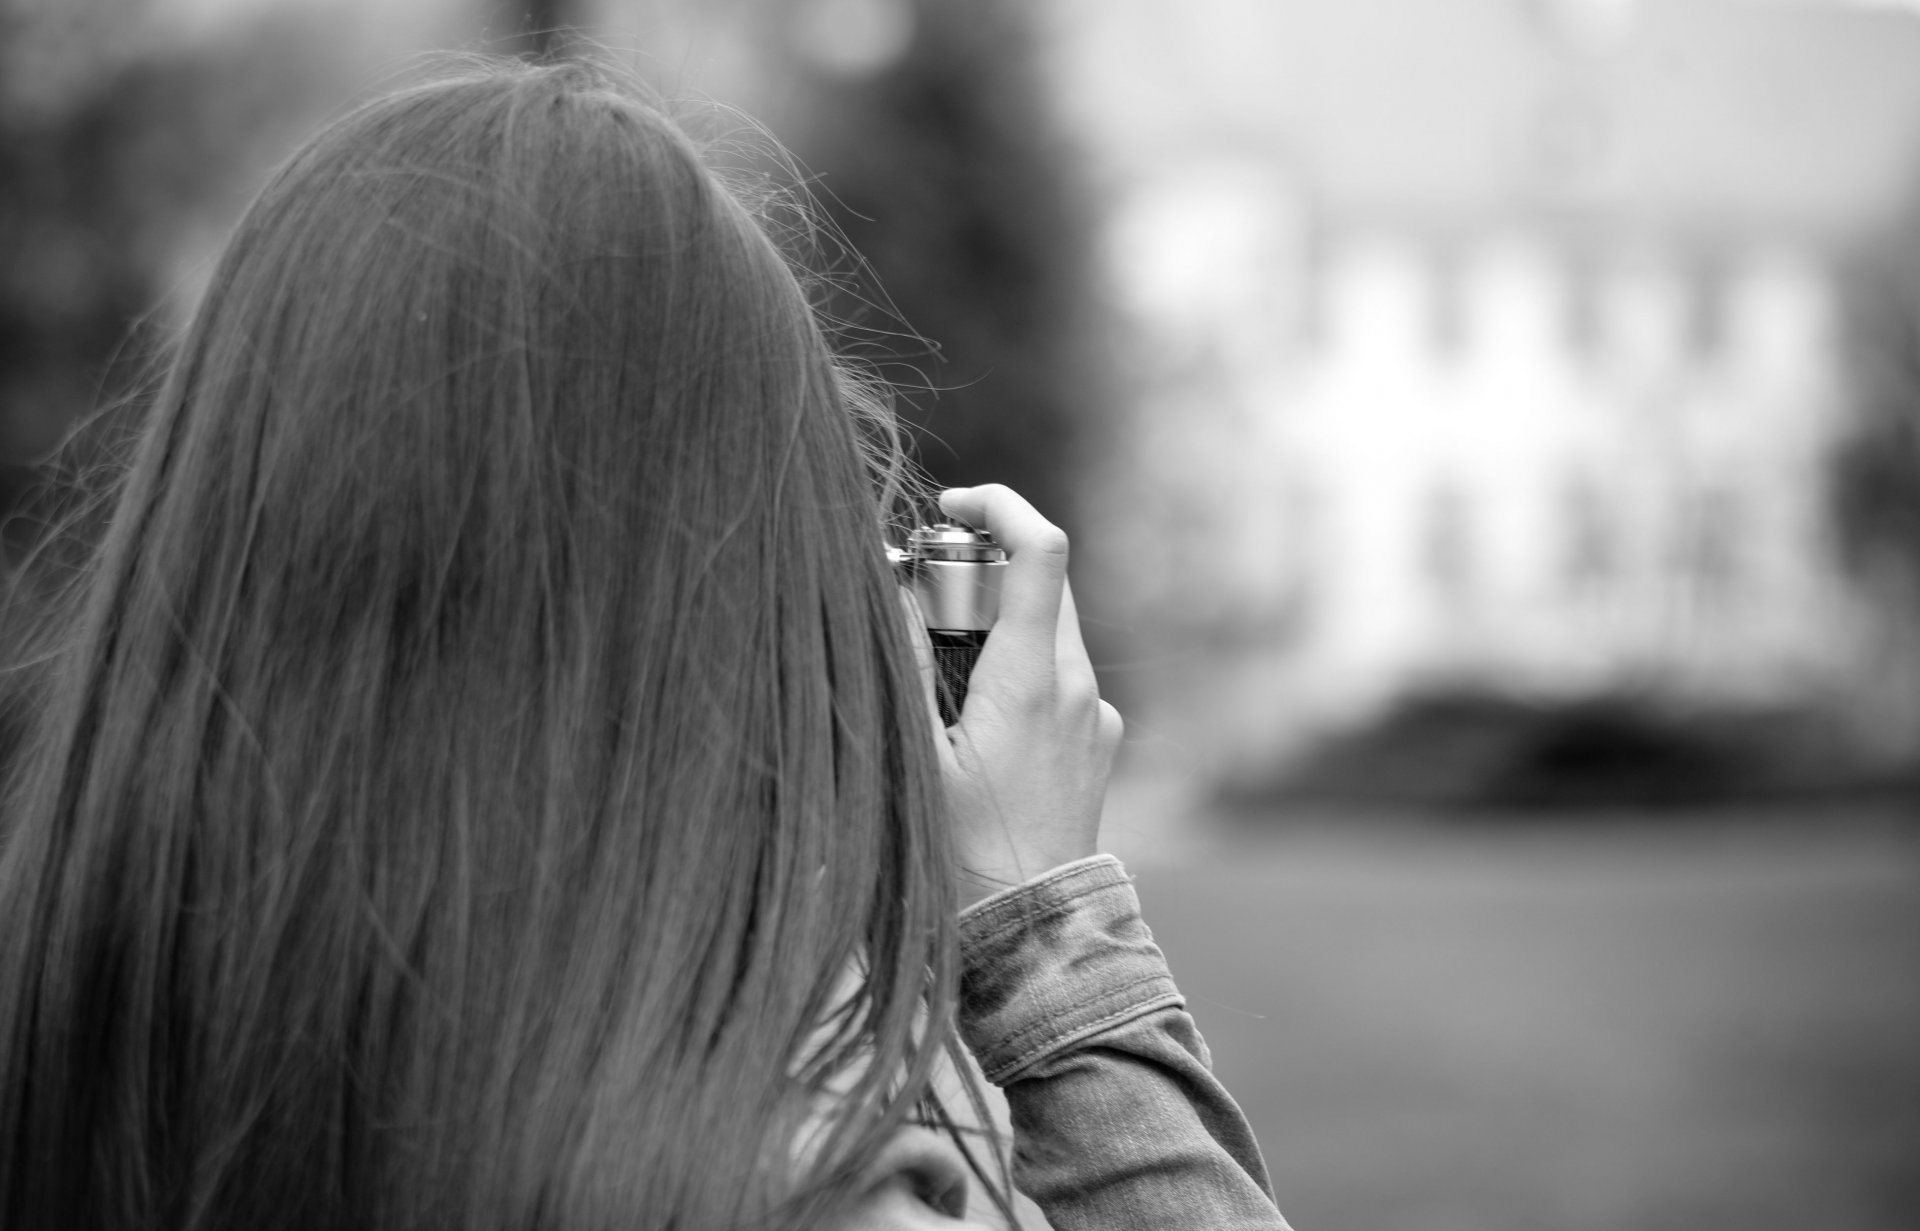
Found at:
(1052, 962)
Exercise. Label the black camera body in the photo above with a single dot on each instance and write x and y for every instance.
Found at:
(954, 573)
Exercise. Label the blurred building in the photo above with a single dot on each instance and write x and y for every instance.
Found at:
(1491, 345)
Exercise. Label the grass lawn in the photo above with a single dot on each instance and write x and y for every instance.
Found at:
(1689, 1024)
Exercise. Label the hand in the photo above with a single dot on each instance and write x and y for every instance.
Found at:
(1026, 765)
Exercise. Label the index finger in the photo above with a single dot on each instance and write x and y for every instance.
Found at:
(1036, 554)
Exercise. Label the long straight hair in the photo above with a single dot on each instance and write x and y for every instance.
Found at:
(488, 747)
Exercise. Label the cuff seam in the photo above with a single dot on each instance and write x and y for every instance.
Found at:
(1003, 1073)
(1015, 905)
(985, 934)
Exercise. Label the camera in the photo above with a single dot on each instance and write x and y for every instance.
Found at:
(954, 573)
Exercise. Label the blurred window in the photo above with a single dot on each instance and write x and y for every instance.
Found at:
(1447, 544)
(1592, 541)
(1708, 542)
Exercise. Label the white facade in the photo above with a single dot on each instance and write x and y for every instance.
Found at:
(1488, 345)
(1501, 467)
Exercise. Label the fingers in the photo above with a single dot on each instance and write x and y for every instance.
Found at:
(1036, 556)
(1070, 650)
(1075, 676)
(1035, 744)
(1037, 648)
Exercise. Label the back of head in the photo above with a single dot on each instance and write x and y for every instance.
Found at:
(490, 727)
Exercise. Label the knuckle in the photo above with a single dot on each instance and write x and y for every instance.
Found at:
(1081, 696)
(1037, 696)
(1050, 540)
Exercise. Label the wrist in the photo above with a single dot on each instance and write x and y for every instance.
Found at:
(979, 889)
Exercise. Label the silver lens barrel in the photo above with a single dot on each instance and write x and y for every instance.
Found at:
(955, 574)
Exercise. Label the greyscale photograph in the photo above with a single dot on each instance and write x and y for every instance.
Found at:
(1030, 615)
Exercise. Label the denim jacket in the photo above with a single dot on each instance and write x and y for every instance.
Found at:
(1118, 1121)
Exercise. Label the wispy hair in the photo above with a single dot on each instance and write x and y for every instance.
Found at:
(488, 729)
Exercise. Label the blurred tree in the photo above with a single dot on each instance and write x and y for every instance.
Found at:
(120, 143)
(531, 27)
(113, 151)
(936, 155)
(1877, 468)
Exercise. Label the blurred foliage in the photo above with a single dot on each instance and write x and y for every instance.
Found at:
(943, 170)
(117, 149)
(116, 154)
(1876, 470)
(946, 172)
(530, 27)
(1492, 752)
(1877, 486)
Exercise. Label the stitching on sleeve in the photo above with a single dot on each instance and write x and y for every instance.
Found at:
(1011, 899)
(1109, 995)
(1011, 920)
(1001, 1074)
(1046, 878)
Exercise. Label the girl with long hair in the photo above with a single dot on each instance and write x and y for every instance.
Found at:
(485, 779)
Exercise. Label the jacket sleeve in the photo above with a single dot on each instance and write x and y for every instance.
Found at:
(1118, 1121)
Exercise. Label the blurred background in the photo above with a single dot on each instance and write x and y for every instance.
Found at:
(1490, 434)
